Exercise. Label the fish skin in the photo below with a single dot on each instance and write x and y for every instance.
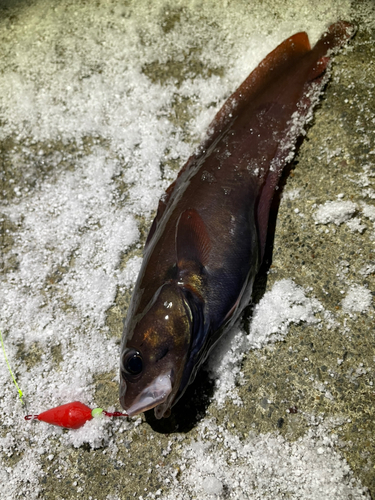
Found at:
(207, 241)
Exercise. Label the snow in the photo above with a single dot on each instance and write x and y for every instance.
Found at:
(357, 299)
(263, 467)
(23, 478)
(355, 224)
(340, 211)
(88, 130)
(335, 212)
(368, 211)
(286, 303)
(368, 269)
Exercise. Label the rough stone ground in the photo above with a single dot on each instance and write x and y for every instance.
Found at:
(316, 374)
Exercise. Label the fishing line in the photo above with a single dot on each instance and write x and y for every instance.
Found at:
(20, 393)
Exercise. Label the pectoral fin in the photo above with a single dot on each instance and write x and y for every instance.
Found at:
(192, 240)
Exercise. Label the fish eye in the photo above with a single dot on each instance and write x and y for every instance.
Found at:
(133, 363)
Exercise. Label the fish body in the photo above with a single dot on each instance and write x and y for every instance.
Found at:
(207, 241)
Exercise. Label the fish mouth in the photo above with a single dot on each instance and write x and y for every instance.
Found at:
(153, 395)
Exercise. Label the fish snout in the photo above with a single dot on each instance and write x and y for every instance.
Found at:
(140, 399)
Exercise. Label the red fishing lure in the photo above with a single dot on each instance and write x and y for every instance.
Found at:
(72, 415)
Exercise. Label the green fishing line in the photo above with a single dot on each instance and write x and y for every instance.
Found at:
(10, 370)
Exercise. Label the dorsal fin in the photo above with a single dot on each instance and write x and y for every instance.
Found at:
(314, 64)
(192, 239)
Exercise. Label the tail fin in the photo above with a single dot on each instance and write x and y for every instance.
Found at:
(335, 37)
(312, 68)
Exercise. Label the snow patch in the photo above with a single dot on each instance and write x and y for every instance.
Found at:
(368, 211)
(335, 212)
(284, 304)
(358, 299)
(262, 467)
(355, 225)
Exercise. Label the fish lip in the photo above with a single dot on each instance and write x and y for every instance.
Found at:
(153, 395)
(122, 392)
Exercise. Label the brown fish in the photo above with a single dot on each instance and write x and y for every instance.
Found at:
(207, 241)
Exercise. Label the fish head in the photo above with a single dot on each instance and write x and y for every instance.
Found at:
(154, 352)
